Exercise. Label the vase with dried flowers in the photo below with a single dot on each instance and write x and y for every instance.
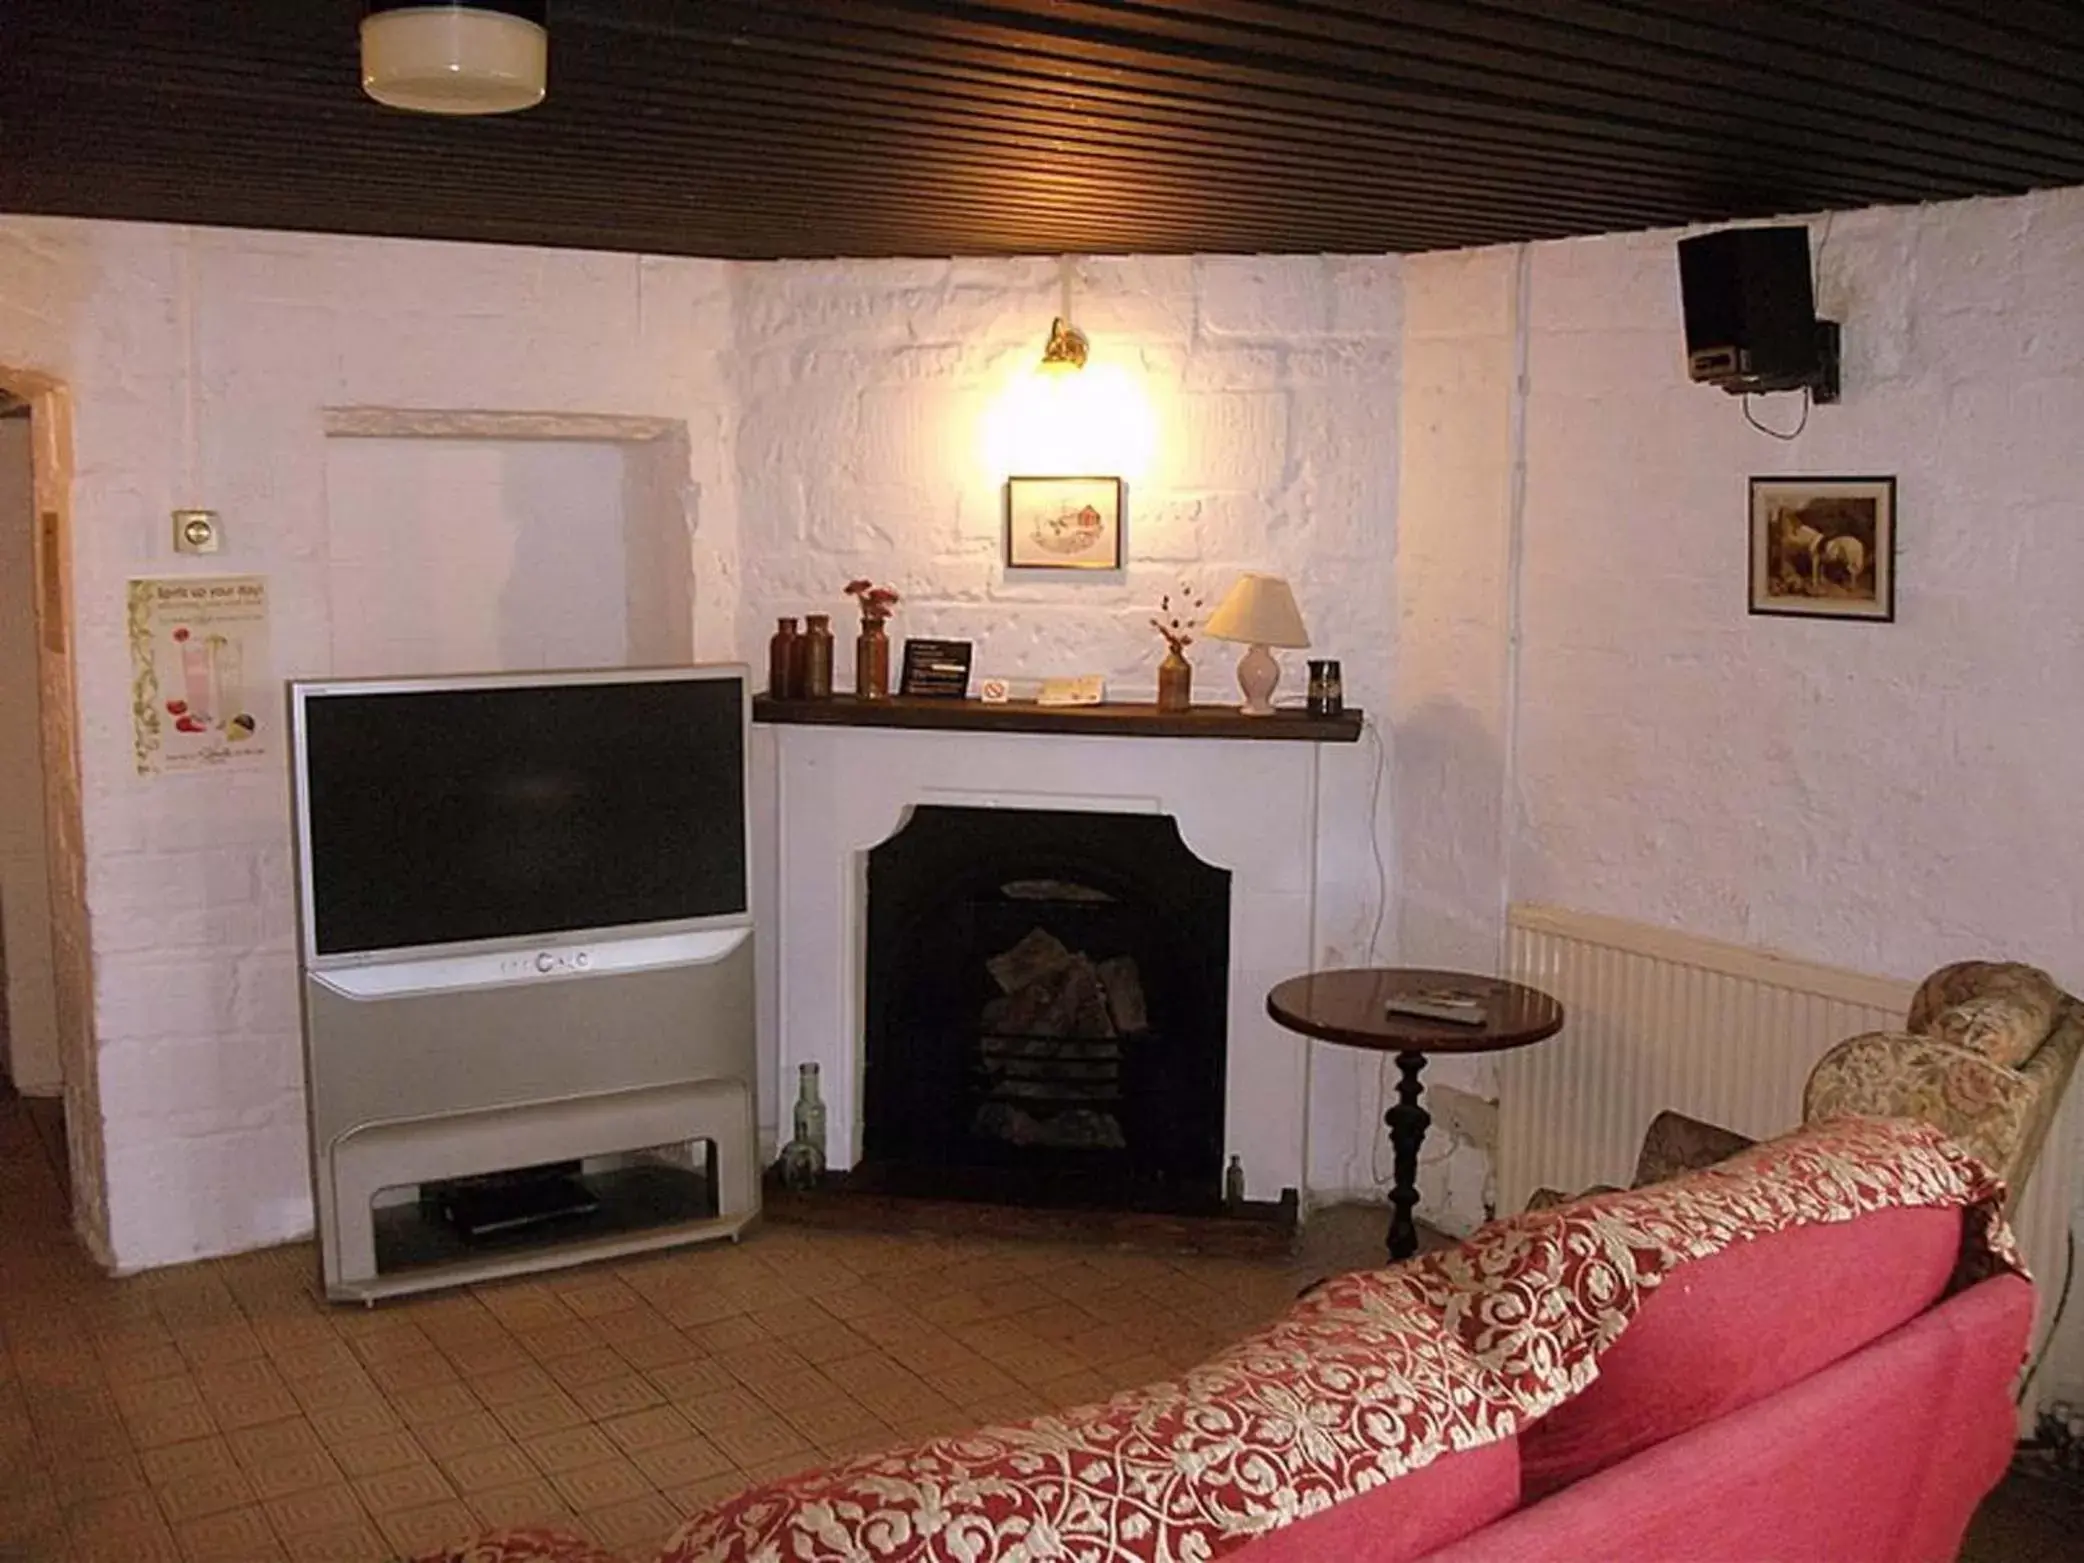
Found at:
(872, 645)
(1178, 614)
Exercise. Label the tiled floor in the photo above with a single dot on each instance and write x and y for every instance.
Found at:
(2036, 1515)
(219, 1413)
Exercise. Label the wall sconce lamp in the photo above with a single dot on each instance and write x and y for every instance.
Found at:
(1076, 413)
(1066, 347)
(480, 57)
(1260, 612)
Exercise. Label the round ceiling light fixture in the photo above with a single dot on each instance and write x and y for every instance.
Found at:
(486, 57)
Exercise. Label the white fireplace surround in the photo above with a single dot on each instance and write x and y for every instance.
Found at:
(826, 795)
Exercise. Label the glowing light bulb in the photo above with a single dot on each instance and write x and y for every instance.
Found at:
(1055, 420)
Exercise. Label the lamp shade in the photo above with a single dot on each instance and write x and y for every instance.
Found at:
(1259, 611)
(489, 57)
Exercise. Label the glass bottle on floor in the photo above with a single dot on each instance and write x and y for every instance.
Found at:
(803, 1158)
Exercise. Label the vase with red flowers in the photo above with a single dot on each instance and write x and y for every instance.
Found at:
(872, 645)
(1178, 614)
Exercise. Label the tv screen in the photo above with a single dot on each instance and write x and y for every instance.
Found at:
(445, 811)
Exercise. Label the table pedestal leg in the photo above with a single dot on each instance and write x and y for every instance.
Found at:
(1408, 1123)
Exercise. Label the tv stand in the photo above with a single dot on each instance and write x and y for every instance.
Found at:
(638, 1070)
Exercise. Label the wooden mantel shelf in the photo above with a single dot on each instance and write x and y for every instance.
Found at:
(1113, 719)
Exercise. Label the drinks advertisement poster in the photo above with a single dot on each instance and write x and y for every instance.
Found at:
(200, 680)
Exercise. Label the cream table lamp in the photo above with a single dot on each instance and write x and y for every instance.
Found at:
(1259, 612)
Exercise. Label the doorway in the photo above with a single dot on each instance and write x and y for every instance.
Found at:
(32, 1070)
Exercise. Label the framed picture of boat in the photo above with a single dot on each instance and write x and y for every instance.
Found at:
(1063, 523)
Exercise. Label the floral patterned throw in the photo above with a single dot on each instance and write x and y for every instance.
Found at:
(1371, 1376)
(524, 1546)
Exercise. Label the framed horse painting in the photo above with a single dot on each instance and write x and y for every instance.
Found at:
(1824, 548)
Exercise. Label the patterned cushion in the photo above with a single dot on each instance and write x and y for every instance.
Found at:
(1675, 1143)
(1983, 1105)
(1549, 1199)
(1369, 1377)
(2029, 989)
(2004, 1030)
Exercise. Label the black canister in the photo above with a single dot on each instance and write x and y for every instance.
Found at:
(1327, 695)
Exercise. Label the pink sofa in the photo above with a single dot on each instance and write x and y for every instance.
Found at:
(1805, 1352)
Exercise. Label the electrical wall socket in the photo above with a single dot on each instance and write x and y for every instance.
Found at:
(197, 532)
(2059, 1431)
(1462, 1113)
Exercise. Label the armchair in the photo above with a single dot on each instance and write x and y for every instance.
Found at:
(1985, 1054)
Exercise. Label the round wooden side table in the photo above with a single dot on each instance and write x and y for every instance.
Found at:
(1351, 1009)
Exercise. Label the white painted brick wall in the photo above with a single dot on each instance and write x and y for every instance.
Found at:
(199, 363)
(1274, 383)
(1452, 691)
(1883, 797)
(846, 430)
(1273, 456)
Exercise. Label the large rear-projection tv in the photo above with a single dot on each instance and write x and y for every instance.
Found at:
(441, 814)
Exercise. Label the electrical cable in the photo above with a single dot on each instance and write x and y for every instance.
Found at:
(1375, 839)
(1791, 434)
(1375, 928)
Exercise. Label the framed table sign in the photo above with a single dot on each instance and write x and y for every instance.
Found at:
(936, 669)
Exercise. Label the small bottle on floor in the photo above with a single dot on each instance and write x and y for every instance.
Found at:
(803, 1158)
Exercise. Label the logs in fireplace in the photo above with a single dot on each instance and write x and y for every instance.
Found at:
(1050, 1053)
(1046, 1011)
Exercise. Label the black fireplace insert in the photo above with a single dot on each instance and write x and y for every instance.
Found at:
(1047, 1000)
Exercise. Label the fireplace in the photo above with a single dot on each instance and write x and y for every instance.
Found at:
(828, 794)
(1046, 1010)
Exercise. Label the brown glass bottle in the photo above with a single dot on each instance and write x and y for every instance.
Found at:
(1175, 682)
(872, 662)
(817, 657)
(781, 661)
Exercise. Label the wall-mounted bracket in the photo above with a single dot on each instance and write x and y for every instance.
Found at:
(1823, 385)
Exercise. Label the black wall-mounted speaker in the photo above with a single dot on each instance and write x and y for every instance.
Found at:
(1751, 311)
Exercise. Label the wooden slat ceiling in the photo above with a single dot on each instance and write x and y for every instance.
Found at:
(764, 128)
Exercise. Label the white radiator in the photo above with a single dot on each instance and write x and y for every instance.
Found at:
(1658, 1020)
